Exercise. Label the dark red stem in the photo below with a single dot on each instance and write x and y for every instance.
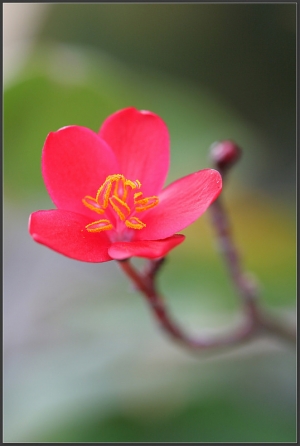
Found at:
(158, 307)
(255, 320)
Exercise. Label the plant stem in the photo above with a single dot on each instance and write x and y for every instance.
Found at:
(245, 286)
(160, 312)
(255, 321)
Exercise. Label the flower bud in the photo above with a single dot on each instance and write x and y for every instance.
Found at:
(224, 154)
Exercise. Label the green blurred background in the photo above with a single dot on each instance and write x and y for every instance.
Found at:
(83, 359)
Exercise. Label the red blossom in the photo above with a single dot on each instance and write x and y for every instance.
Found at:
(107, 188)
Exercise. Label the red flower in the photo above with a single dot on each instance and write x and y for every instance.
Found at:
(107, 188)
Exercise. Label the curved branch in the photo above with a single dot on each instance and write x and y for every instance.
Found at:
(245, 285)
(255, 320)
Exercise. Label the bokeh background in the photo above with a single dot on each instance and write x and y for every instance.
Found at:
(83, 358)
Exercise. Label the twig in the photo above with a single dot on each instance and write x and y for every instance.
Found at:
(255, 320)
(245, 286)
(158, 307)
(224, 155)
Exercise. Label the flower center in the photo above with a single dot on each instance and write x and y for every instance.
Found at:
(118, 199)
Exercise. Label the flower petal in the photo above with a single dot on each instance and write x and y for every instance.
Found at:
(140, 140)
(75, 162)
(151, 249)
(180, 204)
(65, 233)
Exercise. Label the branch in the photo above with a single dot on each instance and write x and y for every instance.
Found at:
(147, 287)
(245, 286)
(255, 321)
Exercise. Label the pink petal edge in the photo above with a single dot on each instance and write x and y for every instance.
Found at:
(75, 163)
(151, 249)
(180, 204)
(140, 141)
(65, 233)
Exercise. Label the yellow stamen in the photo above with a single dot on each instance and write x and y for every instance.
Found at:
(103, 193)
(133, 184)
(92, 204)
(99, 225)
(121, 208)
(146, 203)
(137, 194)
(114, 192)
(119, 190)
(134, 223)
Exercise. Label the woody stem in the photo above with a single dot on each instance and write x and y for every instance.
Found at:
(244, 285)
(255, 320)
(145, 284)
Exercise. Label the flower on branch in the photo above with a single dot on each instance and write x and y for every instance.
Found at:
(108, 191)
